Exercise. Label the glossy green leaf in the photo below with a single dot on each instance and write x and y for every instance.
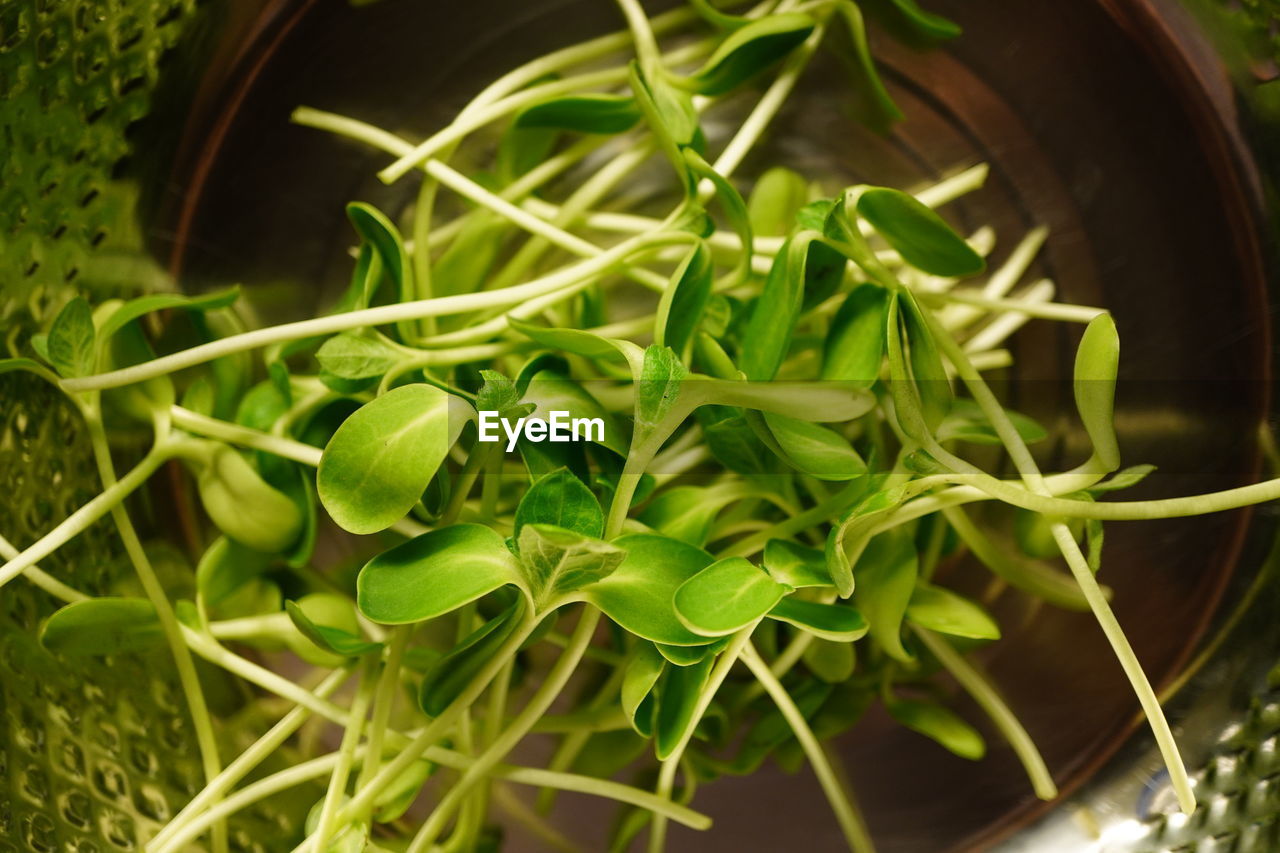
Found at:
(750, 50)
(926, 23)
(557, 561)
(591, 113)
(886, 574)
(579, 342)
(497, 394)
(394, 800)
(967, 422)
(550, 391)
(1097, 364)
(774, 201)
(1124, 479)
(71, 339)
(946, 612)
(468, 261)
(795, 565)
(644, 668)
(660, 385)
(102, 626)
(378, 231)
(854, 346)
(135, 308)
(939, 725)
(774, 316)
(838, 623)
(727, 595)
(686, 512)
(435, 573)
(920, 236)
(380, 460)
(337, 641)
(453, 672)
(927, 371)
(27, 365)
(690, 655)
(847, 539)
(638, 595)
(830, 661)
(353, 356)
(880, 112)
(225, 567)
(680, 308)
(243, 505)
(814, 450)
(562, 500)
(678, 694)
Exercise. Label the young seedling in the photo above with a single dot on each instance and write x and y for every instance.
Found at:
(780, 474)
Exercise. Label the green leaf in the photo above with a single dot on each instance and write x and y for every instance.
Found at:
(750, 50)
(102, 626)
(919, 235)
(135, 308)
(497, 394)
(336, 641)
(550, 391)
(775, 200)
(927, 371)
(678, 695)
(727, 595)
(946, 612)
(814, 450)
(967, 422)
(940, 725)
(644, 667)
(838, 623)
(690, 655)
(881, 111)
(848, 538)
(562, 500)
(435, 573)
(813, 216)
(1097, 364)
(680, 308)
(830, 661)
(453, 672)
(591, 113)
(886, 575)
(638, 595)
(822, 402)
(1124, 479)
(687, 512)
(379, 232)
(559, 561)
(795, 565)
(657, 390)
(243, 505)
(353, 356)
(225, 567)
(27, 365)
(579, 342)
(671, 116)
(71, 339)
(380, 460)
(925, 23)
(467, 262)
(854, 346)
(521, 149)
(394, 800)
(774, 316)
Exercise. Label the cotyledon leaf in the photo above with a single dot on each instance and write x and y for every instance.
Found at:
(435, 573)
(378, 463)
(727, 595)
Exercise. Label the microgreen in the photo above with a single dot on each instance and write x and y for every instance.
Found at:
(758, 546)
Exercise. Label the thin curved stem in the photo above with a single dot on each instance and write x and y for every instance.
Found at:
(851, 822)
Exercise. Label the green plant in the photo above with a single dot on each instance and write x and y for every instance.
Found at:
(807, 349)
